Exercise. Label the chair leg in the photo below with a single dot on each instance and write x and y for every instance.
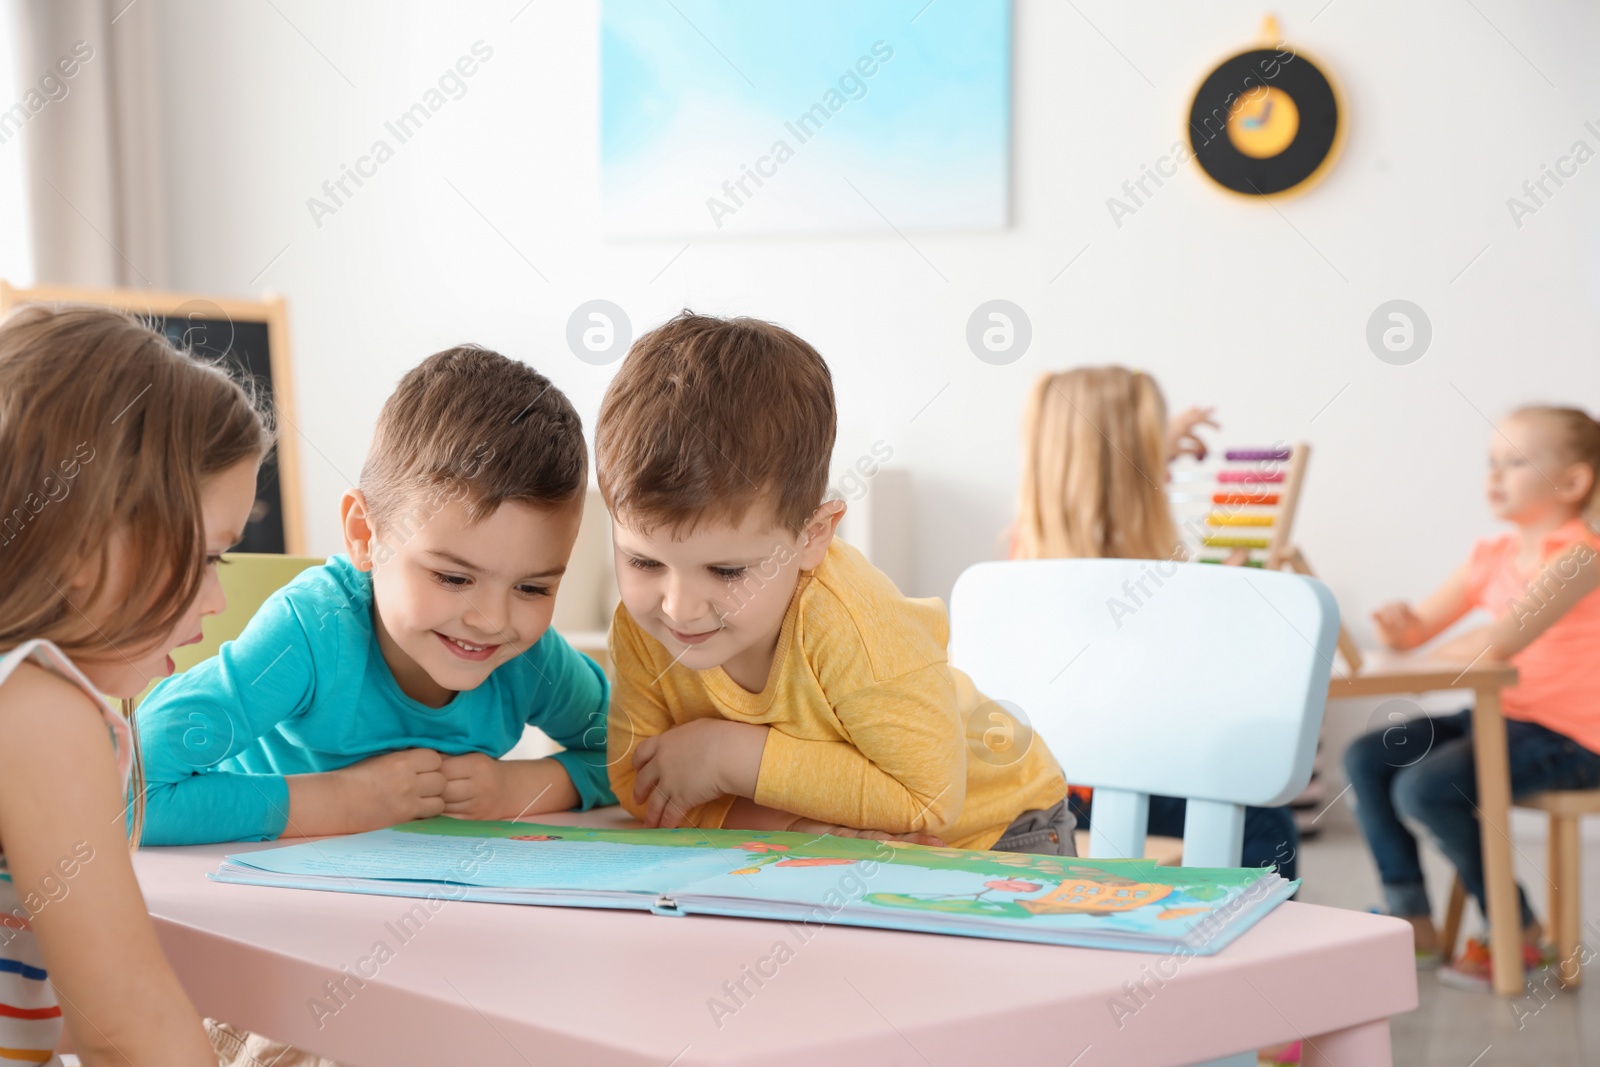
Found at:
(1559, 890)
(1452, 920)
(1566, 863)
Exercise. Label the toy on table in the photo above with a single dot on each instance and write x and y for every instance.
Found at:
(1248, 502)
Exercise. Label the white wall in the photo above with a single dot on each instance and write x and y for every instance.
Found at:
(16, 253)
(1258, 309)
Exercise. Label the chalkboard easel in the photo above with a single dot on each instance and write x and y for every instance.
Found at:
(250, 335)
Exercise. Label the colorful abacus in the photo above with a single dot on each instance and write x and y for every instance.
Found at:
(1251, 504)
(1248, 503)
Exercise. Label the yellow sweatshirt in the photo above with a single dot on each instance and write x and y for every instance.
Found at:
(871, 726)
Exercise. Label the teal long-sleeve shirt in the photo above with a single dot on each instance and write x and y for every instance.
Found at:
(305, 688)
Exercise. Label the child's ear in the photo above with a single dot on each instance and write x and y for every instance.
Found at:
(359, 536)
(89, 569)
(1576, 481)
(818, 534)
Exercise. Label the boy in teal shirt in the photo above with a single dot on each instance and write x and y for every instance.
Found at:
(385, 685)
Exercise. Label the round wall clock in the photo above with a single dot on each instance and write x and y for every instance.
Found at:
(1267, 120)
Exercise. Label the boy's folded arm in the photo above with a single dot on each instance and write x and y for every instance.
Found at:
(903, 769)
(636, 714)
(587, 769)
(572, 697)
(637, 711)
(220, 806)
(833, 781)
(215, 710)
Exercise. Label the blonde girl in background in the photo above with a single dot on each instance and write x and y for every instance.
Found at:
(1096, 442)
(129, 469)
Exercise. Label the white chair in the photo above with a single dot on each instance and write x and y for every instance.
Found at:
(1150, 676)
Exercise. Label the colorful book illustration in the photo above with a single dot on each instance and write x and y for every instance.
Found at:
(1095, 903)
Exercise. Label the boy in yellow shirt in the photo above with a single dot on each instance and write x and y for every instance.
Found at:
(768, 676)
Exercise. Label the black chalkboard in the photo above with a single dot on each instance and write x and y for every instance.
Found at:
(251, 339)
(242, 347)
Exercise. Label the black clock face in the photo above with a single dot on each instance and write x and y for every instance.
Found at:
(1260, 133)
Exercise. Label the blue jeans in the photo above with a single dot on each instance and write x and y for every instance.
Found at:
(1422, 770)
(1270, 836)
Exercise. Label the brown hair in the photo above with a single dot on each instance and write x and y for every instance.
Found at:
(1094, 457)
(109, 434)
(707, 416)
(1578, 440)
(98, 407)
(471, 424)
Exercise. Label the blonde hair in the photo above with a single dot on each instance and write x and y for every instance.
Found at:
(108, 434)
(1094, 457)
(1578, 439)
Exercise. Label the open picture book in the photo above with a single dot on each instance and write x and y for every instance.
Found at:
(1096, 903)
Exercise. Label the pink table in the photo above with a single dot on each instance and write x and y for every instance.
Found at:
(493, 984)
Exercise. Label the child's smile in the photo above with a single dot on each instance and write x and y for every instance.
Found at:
(717, 595)
(697, 638)
(456, 599)
(466, 650)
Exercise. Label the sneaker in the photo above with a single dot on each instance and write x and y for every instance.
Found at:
(1471, 969)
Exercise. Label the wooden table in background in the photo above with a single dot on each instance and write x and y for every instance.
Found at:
(1387, 674)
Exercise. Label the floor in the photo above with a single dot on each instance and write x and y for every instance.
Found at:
(1452, 1028)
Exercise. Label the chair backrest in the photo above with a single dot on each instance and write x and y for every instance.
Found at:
(1151, 676)
(248, 578)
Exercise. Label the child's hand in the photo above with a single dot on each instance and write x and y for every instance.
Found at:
(475, 786)
(1398, 625)
(393, 788)
(694, 763)
(1182, 432)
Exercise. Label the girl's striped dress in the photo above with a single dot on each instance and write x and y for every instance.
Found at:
(30, 1018)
